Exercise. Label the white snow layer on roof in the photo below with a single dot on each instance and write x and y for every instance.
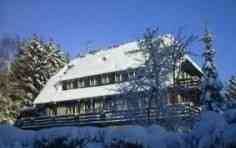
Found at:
(115, 59)
(104, 61)
(187, 57)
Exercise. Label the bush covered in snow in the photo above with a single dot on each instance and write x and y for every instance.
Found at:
(211, 130)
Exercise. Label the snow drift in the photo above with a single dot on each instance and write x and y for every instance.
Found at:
(211, 130)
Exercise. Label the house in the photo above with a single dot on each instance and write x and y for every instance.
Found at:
(85, 91)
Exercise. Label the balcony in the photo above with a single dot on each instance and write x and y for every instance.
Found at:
(110, 118)
(188, 83)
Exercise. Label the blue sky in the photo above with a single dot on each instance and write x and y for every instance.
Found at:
(78, 24)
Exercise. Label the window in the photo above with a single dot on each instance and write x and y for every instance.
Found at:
(81, 83)
(105, 79)
(92, 81)
(64, 85)
(119, 104)
(112, 77)
(86, 82)
(69, 85)
(108, 106)
(88, 106)
(98, 106)
(131, 75)
(99, 81)
(75, 84)
(118, 77)
(82, 107)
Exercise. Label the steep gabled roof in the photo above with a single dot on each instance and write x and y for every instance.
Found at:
(115, 59)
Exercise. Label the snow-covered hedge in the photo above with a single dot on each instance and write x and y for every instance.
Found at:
(212, 130)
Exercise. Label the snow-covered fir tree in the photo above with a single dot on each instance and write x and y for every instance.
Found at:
(36, 61)
(211, 97)
(8, 46)
(231, 90)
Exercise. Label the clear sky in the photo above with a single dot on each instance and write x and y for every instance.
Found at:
(78, 24)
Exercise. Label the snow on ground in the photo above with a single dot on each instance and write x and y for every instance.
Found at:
(10, 136)
(230, 116)
(211, 130)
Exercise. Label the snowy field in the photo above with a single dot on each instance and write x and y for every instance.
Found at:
(212, 130)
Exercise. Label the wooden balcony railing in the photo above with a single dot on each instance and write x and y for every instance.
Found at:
(188, 83)
(123, 117)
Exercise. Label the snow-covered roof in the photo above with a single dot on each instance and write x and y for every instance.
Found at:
(187, 57)
(104, 61)
(115, 59)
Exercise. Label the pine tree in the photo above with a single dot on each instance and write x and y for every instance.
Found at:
(35, 63)
(8, 46)
(231, 91)
(211, 97)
